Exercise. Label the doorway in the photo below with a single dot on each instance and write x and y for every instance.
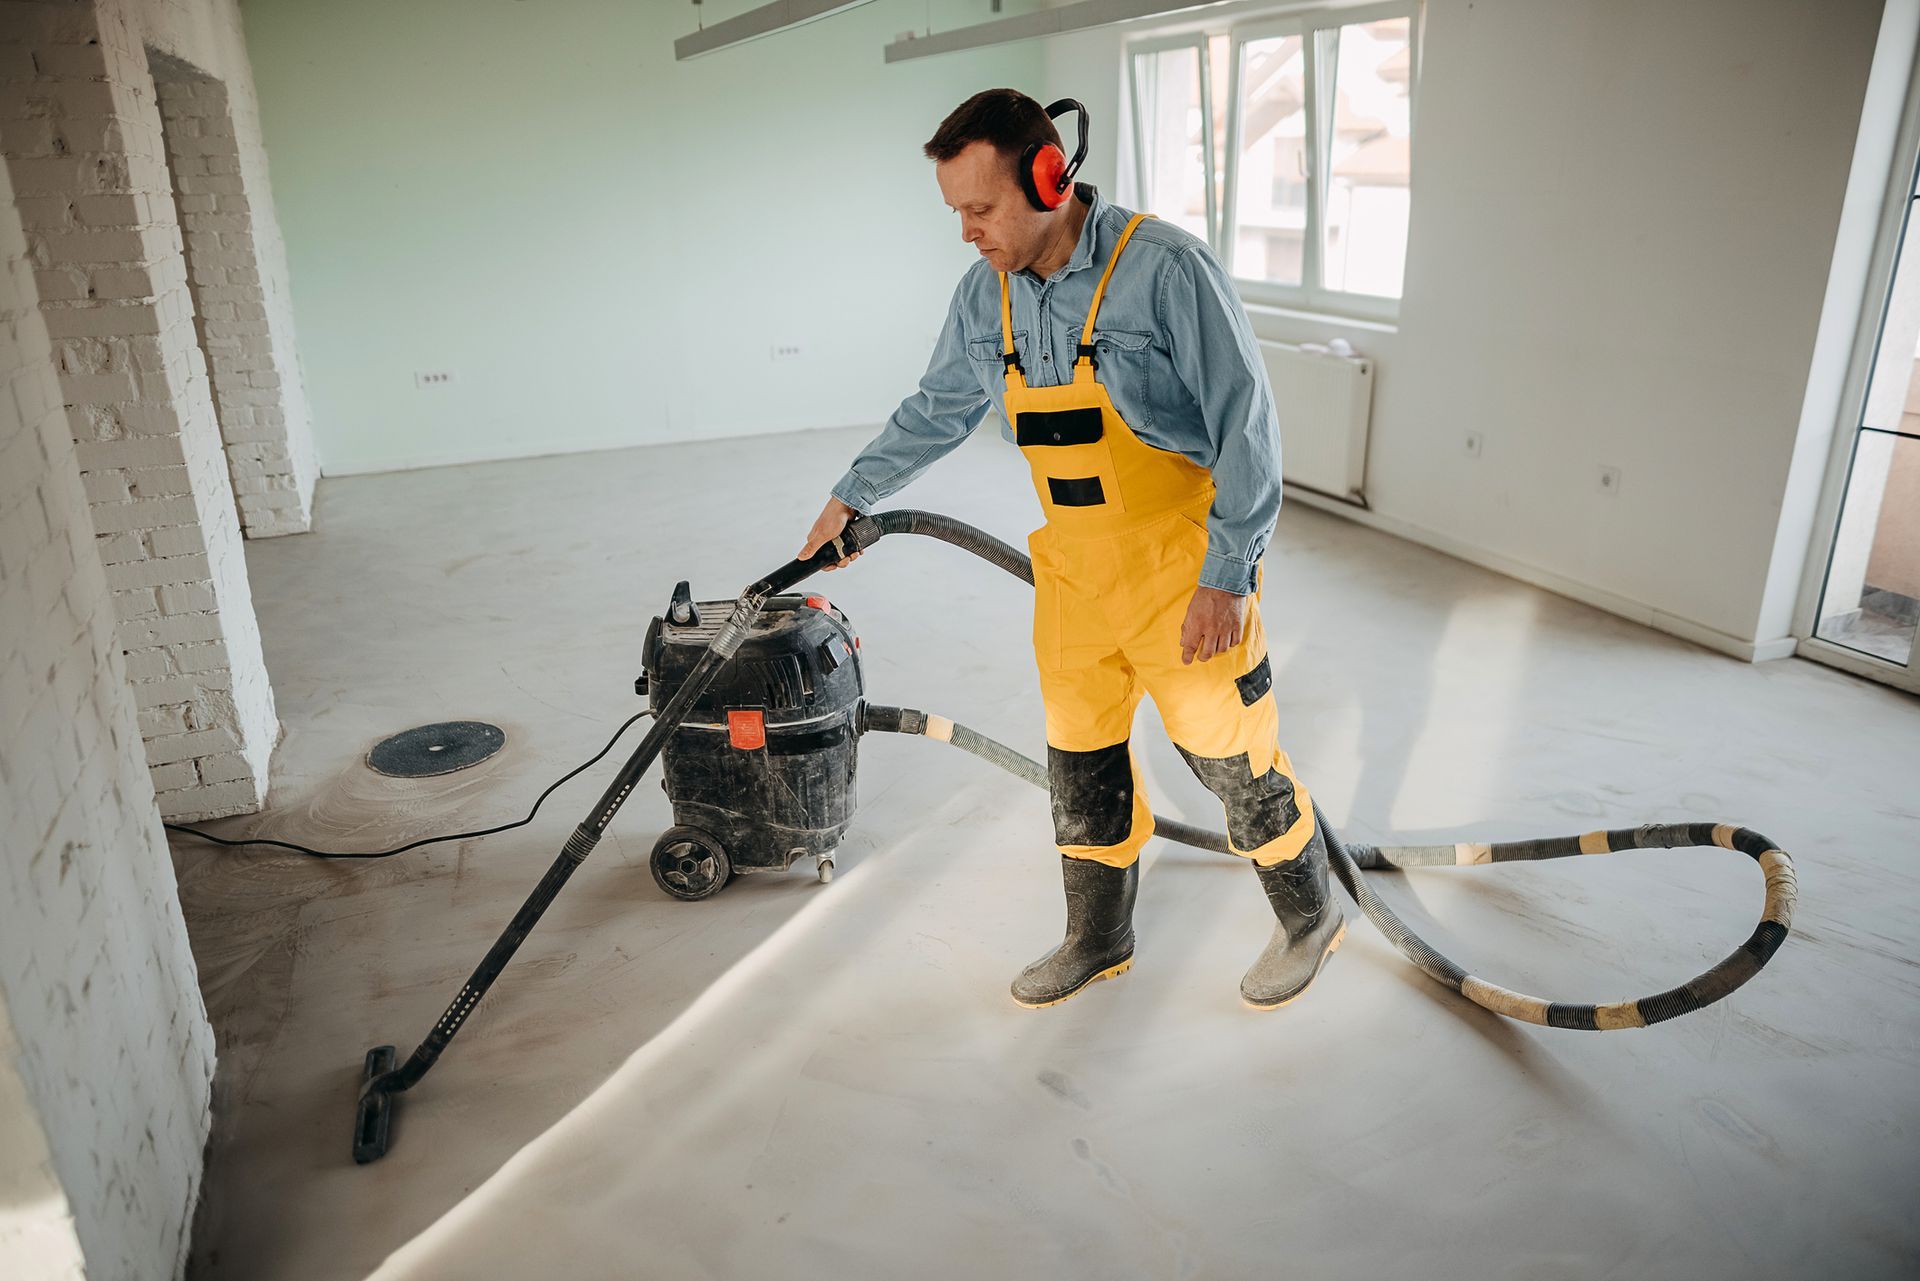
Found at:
(1869, 603)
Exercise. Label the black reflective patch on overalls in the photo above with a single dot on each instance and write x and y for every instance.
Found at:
(1254, 685)
(1083, 492)
(1092, 795)
(1258, 809)
(1058, 426)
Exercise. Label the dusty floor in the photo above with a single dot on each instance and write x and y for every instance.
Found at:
(796, 1080)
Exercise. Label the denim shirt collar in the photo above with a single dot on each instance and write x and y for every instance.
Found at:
(1082, 255)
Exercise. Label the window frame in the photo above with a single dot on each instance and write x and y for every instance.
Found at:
(1153, 47)
(1312, 25)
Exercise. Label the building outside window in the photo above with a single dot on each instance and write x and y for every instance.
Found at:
(1287, 144)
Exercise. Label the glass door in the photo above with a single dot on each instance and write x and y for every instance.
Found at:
(1869, 606)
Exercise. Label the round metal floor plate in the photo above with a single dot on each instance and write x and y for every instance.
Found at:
(426, 750)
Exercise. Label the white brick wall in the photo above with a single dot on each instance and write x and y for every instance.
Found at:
(107, 1043)
(81, 129)
(247, 325)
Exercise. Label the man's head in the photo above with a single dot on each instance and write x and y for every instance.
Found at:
(976, 154)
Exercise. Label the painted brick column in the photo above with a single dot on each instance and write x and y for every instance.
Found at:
(108, 1053)
(81, 131)
(245, 324)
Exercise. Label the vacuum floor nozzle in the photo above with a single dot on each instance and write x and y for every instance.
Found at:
(373, 1118)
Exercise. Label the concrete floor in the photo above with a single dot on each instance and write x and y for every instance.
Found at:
(796, 1080)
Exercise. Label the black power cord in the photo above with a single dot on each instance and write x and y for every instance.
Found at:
(430, 840)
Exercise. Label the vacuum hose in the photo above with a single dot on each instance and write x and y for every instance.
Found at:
(385, 1076)
(1776, 913)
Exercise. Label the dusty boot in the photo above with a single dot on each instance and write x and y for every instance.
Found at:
(1099, 942)
(1309, 928)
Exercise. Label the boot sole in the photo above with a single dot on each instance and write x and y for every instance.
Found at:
(1111, 972)
(1332, 947)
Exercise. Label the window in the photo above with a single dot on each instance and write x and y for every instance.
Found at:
(1287, 145)
(1269, 222)
(1177, 120)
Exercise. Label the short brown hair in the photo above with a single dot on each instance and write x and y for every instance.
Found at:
(1007, 118)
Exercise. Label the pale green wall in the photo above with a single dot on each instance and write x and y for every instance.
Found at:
(602, 244)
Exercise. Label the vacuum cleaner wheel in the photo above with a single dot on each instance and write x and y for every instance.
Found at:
(690, 864)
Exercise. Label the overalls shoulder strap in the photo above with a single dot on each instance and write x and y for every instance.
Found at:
(1008, 356)
(1011, 359)
(1083, 356)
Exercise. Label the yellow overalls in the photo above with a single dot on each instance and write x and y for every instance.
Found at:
(1114, 570)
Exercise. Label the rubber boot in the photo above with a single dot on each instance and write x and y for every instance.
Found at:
(1099, 941)
(1309, 926)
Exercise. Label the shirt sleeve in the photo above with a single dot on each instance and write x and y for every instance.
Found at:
(1217, 358)
(928, 424)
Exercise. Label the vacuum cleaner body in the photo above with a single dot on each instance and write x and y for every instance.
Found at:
(761, 771)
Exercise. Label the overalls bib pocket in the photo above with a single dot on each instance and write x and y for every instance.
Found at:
(1071, 456)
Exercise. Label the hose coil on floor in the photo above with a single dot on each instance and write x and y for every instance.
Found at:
(1776, 867)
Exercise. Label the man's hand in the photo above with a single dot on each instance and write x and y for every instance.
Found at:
(1214, 623)
(832, 519)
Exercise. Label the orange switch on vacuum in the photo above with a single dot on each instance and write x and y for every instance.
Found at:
(747, 730)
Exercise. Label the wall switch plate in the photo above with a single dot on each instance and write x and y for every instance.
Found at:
(424, 378)
(1609, 480)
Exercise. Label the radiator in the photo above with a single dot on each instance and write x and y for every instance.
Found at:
(1324, 402)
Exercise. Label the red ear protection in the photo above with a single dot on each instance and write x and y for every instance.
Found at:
(1046, 175)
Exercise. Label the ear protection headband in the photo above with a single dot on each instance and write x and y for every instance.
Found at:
(1046, 175)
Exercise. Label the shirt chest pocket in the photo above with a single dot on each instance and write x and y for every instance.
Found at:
(986, 354)
(1121, 362)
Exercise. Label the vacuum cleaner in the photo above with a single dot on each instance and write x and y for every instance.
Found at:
(760, 769)
(758, 708)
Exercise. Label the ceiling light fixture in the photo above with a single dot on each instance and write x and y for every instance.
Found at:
(767, 20)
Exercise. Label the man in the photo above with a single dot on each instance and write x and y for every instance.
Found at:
(1139, 399)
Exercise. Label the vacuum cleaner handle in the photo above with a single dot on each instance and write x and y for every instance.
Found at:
(859, 534)
(856, 536)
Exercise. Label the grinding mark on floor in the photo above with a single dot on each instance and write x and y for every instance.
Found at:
(1062, 1086)
(564, 711)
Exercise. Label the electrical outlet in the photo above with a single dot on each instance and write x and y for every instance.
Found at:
(1471, 446)
(786, 351)
(1609, 480)
(424, 378)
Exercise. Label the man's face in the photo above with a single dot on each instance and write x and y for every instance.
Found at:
(995, 215)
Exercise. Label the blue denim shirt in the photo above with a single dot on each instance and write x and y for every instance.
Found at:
(1175, 350)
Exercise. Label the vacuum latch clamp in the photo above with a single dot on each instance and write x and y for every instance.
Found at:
(680, 610)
